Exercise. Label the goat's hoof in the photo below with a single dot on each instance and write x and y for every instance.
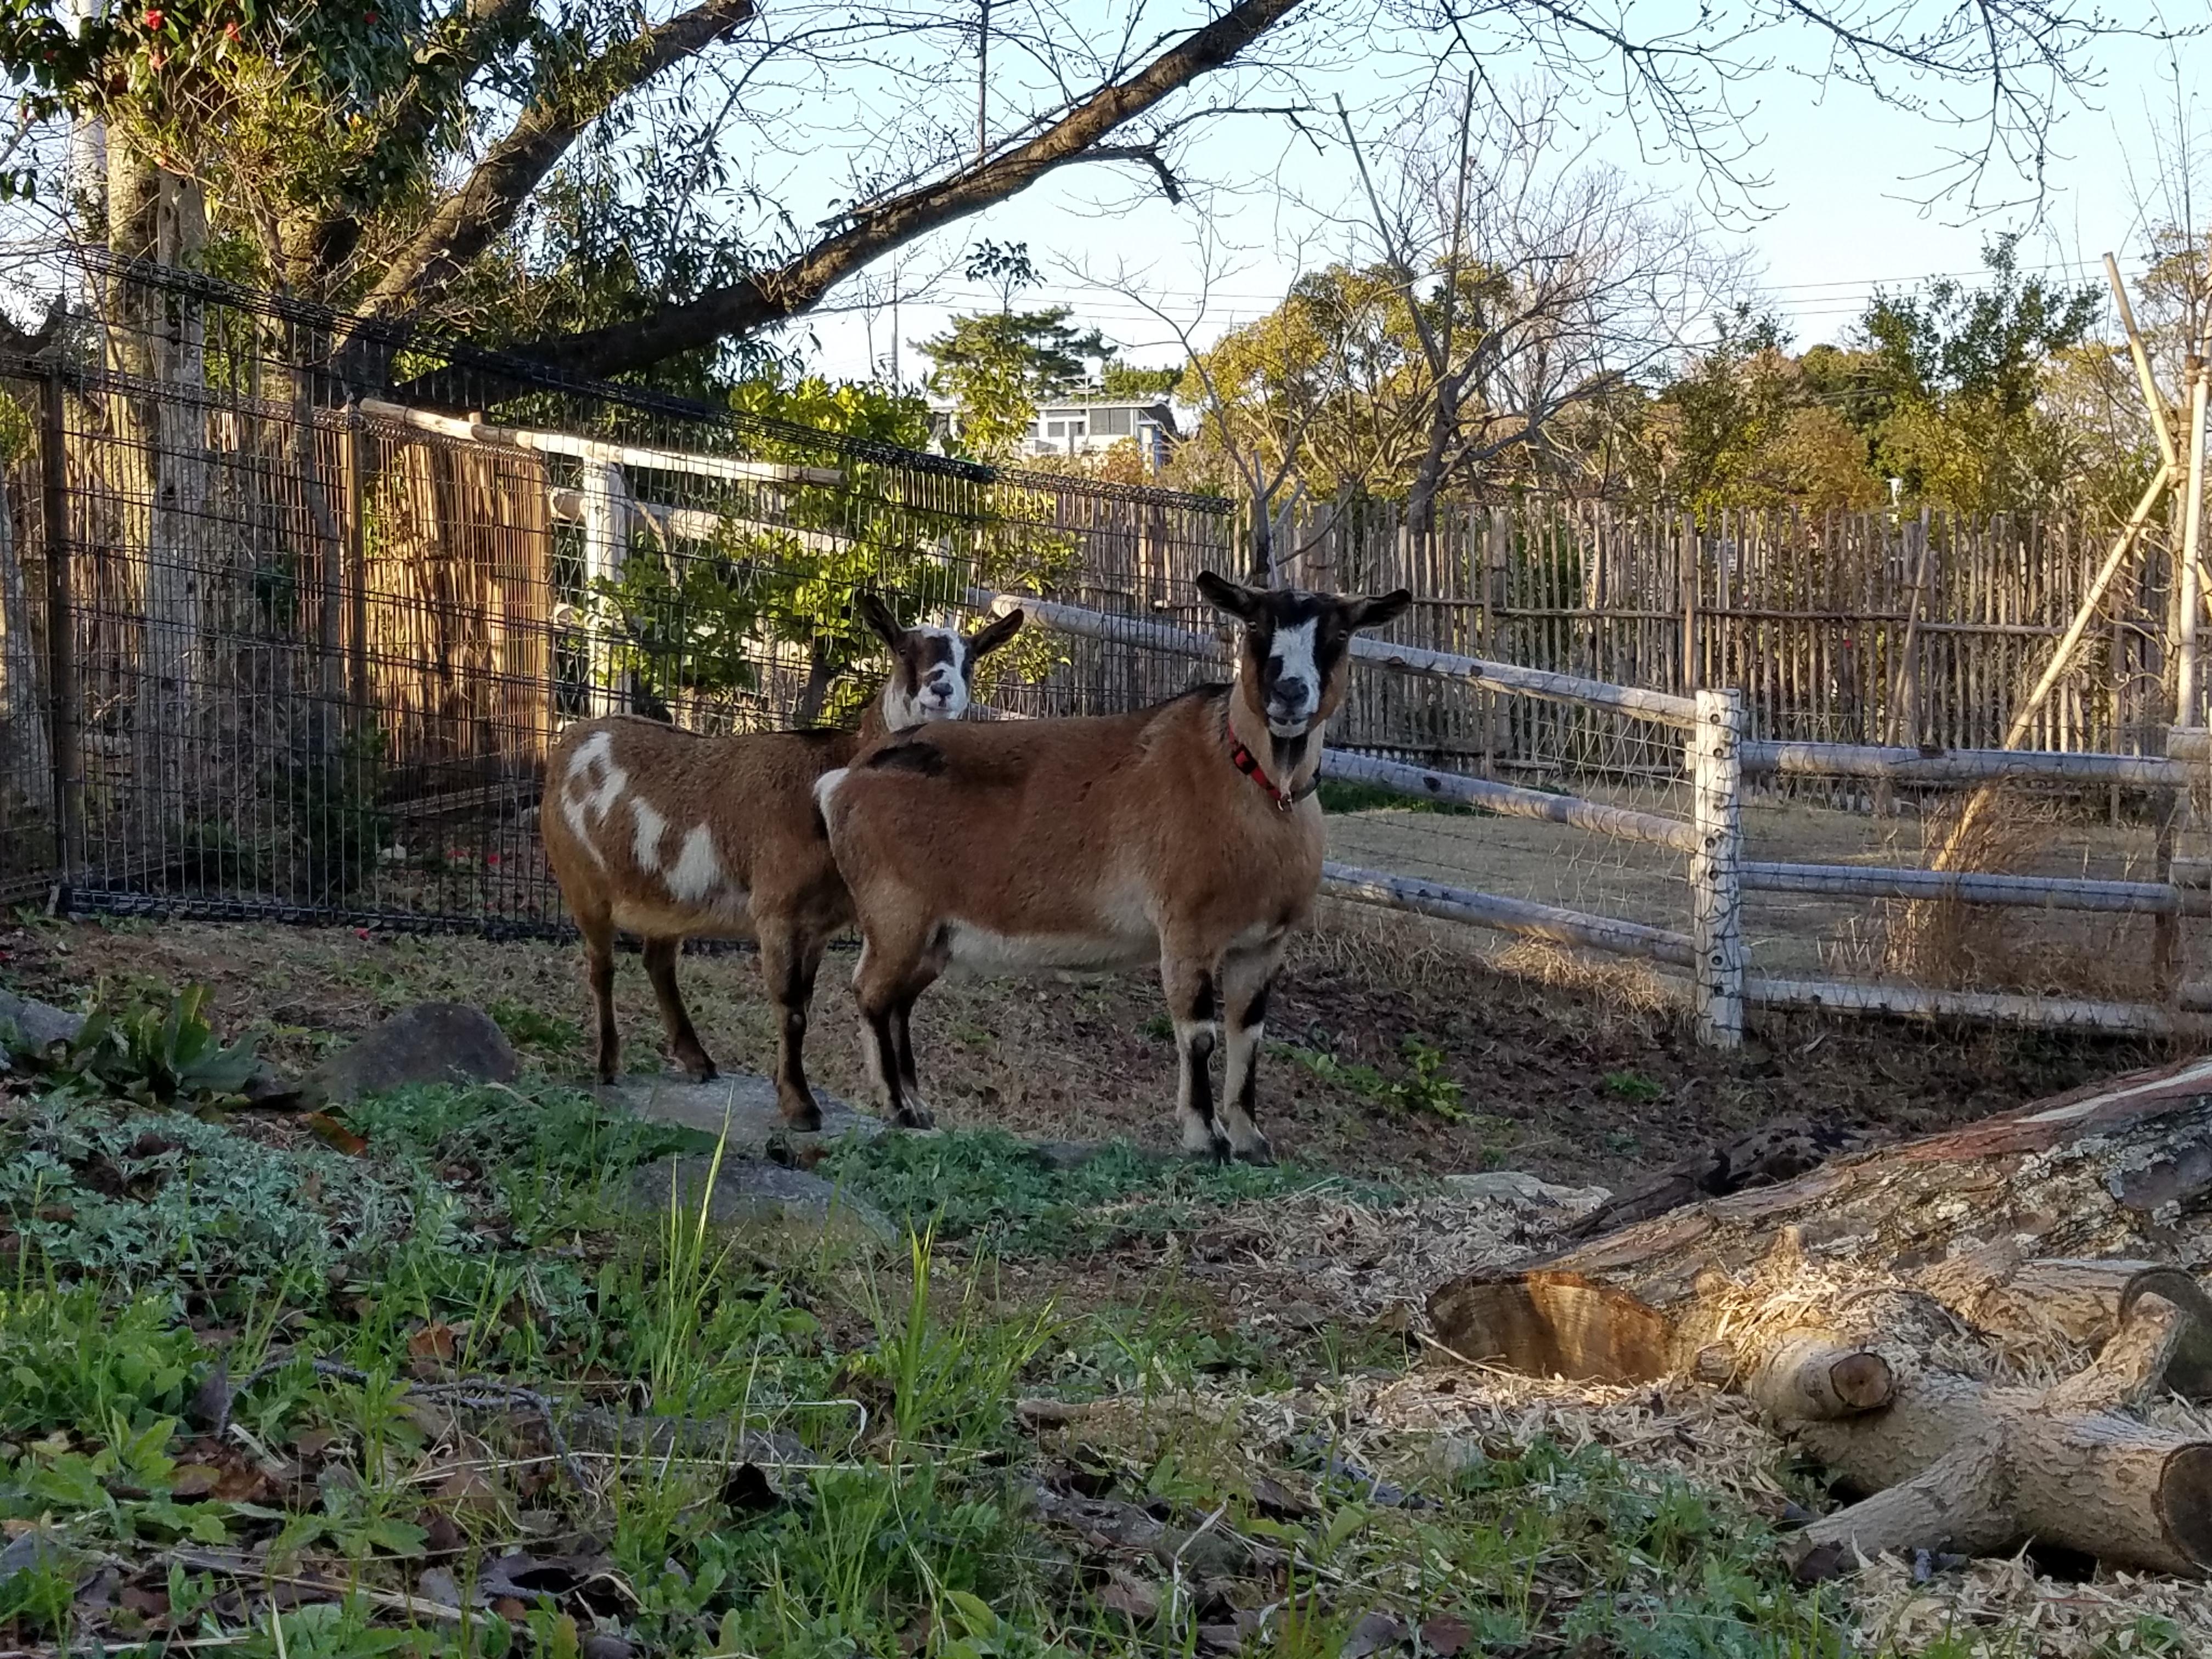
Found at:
(1213, 1158)
(606, 1073)
(1259, 1152)
(805, 1117)
(913, 1118)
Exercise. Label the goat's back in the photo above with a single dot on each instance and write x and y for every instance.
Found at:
(676, 833)
(1102, 827)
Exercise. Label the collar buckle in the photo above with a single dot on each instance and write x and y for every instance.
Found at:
(1248, 764)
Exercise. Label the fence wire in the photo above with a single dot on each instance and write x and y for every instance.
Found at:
(315, 594)
(312, 639)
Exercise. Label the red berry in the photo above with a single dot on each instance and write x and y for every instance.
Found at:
(368, 17)
(231, 29)
(154, 19)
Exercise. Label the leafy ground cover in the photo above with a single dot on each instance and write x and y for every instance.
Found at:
(417, 1377)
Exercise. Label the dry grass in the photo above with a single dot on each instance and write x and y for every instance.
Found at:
(1956, 946)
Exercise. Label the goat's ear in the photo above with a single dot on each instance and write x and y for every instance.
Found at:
(1241, 602)
(872, 610)
(1375, 611)
(993, 633)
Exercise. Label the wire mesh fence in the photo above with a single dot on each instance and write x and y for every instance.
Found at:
(292, 605)
(280, 642)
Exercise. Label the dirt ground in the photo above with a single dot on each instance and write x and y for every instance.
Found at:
(1568, 1073)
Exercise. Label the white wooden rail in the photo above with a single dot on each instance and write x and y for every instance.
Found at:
(1717, 759)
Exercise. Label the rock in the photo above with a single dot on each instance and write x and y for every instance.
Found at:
(429, 1042)
(1526, 1192)
(37, 1026)
(1302, 1316)
(752, 1192)
(745, 1098)
(42, 1547)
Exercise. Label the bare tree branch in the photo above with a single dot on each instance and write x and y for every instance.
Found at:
(798, 284)
(465, 223)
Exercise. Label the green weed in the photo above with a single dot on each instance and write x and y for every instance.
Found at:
(1633, 1085)
(151, 1046)
(531, 1028)
(1422, 1089)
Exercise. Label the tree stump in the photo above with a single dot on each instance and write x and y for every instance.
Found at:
(1963, 1328)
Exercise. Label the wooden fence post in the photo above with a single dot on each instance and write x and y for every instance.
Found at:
(356, 572)
(61, 632)
(1715, 891)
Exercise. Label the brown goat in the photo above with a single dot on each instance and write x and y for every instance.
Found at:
(671, 835)
(1184, 834)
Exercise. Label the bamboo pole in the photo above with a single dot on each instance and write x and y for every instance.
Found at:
(1406, 658)
(1419, 783)
(2061, 655)
(1510, 915)
(2192, 518)
(690, 462)
(1918, 1002)
(2144, 379)
(2153, 898)
(1715, 895)
(1902, 765)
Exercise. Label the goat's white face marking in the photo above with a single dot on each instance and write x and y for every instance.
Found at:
(697, 871)
(650, 828)
(939, 670)
(1293, 679)
(595, 784)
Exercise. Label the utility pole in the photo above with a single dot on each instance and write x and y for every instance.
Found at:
(983, 83)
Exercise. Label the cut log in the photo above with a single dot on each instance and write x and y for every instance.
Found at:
(1808, 1376)
(1955, 1326)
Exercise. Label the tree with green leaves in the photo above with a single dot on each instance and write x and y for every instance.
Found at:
(1745, 424)
(998, 365)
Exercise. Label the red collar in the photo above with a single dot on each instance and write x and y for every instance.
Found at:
(1243, 759)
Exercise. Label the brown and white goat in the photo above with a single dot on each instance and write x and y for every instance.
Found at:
(670, 836)
(1184, 834)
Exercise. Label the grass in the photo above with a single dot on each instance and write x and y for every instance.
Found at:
(242, 1353)
(1339, 797)
(995, 1191)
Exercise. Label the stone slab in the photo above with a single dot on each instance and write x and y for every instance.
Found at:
(747, 1098)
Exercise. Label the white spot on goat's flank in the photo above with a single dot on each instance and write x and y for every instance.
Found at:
(651, 826)
(697, 871)
(593, 785)
(825, 787)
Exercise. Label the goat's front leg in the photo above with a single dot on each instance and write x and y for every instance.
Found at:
(1194, 1004)
(598, 932)
(1246, 980)
(789, 956)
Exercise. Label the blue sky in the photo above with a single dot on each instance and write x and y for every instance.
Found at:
(1842, 213)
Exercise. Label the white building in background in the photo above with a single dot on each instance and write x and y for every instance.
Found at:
(1089, 423)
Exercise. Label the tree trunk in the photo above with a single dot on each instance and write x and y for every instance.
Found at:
(23, 709)
(1959, 1326)
(159, 466)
